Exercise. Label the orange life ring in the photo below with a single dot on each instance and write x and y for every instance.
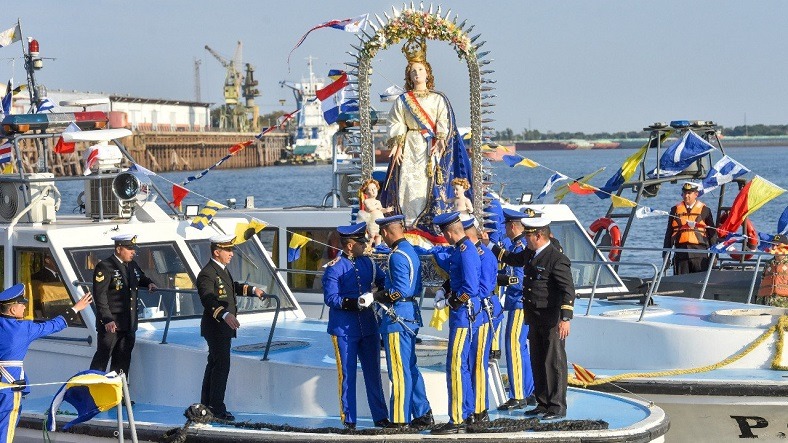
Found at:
(614, 232)
(752, 237)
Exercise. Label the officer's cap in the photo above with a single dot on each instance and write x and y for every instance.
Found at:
(399, 218)
(468, 224)
(14, 294)
(222, 241)
(128, 240)
(447, 219)
(690, 186)
(357, 232)
(532, 224)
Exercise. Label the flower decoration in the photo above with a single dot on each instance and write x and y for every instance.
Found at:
(412, 24)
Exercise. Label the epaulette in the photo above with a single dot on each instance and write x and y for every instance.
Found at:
(334, 261)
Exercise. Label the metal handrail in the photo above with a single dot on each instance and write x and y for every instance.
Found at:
(299, 271)
(273, 326)
(599, 265)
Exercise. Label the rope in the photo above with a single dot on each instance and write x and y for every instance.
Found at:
(198, 413)
(780, 327)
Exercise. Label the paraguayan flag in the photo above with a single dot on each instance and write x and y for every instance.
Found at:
(724, 171)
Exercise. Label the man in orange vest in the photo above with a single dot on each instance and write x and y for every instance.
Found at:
(690, 226)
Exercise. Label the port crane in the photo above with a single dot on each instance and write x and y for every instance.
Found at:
(234, 115)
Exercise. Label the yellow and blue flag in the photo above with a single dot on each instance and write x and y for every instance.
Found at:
(245, 231)
(297, 241)
(519, 160)
(90, 392)
(206, 214)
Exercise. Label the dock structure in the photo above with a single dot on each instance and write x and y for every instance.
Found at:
(171, 151)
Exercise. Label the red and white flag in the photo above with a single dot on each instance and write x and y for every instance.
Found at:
(91, 159)
(63, 147)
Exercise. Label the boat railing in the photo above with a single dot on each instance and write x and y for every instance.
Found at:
(600, 264)
(173, 298)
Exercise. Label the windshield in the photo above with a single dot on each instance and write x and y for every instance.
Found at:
(578, 248)
(249, 266)
(161, 262)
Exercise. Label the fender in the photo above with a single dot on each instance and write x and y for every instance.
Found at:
(615, 235)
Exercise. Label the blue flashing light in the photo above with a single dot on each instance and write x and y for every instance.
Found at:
(678, 124)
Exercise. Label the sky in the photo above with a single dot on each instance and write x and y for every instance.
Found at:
(570, 65)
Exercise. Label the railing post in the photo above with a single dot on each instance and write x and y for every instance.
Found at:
(273, 326)
(650, 292)
(169, 317)
(754, 277)
(712, 258)
(593, 288)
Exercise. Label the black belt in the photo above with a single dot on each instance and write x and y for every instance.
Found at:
(407, 299)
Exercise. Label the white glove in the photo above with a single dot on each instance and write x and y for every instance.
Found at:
(440, 299)
(365, 300)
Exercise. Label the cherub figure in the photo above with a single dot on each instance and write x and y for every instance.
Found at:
(462, 203)
(371, 209)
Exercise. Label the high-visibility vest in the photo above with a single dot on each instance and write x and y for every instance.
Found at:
(686, 233)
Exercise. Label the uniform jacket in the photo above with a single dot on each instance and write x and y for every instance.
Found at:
(464, 273)
(403, 279)
(548, 288)
(514, 292)
(348, 279)
(217, 292)
(115, 293)
(487, 282)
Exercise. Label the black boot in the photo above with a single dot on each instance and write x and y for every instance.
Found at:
(449, 428)
(425, 421)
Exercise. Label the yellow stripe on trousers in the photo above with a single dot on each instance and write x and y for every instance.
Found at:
(13, 417)
(517, 355)
(397, 379)
(455, 408)
(338, 358)
(480, 388)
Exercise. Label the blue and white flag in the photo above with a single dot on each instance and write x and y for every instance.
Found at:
(782, 223)
(45, 105)
(724, 171)
(391, 93)
(5, 104)
(555, 178)
(337, 104)
(682, 154)
(728, 244)
(645, 211)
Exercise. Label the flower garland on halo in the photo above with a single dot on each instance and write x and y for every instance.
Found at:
(410, 24)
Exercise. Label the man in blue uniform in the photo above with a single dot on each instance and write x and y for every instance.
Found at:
(400, 325)
(463, 299)
(487, 321)
(352, 324)
(518, 362)
(15, 337)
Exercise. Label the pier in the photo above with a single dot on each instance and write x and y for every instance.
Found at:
(171, 151)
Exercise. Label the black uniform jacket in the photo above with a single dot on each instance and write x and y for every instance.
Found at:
(217, 292)
(115, 292)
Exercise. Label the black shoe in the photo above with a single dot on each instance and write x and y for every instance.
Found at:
(513, 403)
(552, 416)
(123, 401)
(348, 425)
(449, 428)
(531, 400)
(384, 423)
(225, 416)
(495, 355)
(396, 425)
(481, 417)
(424, 421)
(535, 411)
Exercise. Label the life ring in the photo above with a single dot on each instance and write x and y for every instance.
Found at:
(614, 232)
(752, 237)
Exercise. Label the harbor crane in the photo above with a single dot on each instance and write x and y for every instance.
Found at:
(234, 115)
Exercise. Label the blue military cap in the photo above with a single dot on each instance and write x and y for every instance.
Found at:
(444, 220)
(392, 219)
(125, 240)
(223, 241)
(14, 294)
(511, 215)
(468, 224)
(357, 232)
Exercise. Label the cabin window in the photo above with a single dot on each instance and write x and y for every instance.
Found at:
(45, 288)
(162, 263)
(578, 248)
(311, 259)
(270, 239)
(248, 265)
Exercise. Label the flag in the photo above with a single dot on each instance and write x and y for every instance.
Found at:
(206, 214)
(178, 194)
(90, 392)
(141, 169)
(580, 186)
(245, 231)
(624, 173)
(297, 241)
(724, 171)
(555, 178)
(680, 155)
(8, 98)
(519, 160)
(91, 158)
(10, 35)
(62, 147)
(728, 243)
(645, 211)
(234, 149)
(583, 374)
(782, 223)
(621, 202)
(339, 83)
(354, 24)
(751, 197)
(336, 105)
(391, 93)
(765, 241)
(45, 105)
(5, 153)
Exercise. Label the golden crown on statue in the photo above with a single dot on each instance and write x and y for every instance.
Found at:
(415, 50)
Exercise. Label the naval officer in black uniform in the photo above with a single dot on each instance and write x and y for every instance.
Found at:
(115, 283)
(217, 291)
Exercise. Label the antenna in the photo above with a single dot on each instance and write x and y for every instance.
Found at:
(197, 92)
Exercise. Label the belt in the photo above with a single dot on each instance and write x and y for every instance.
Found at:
(11, 364)
(406, 299)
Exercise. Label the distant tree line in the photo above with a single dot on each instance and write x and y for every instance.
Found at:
(750, 130)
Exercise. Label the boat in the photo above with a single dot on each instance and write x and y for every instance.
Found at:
(605, 144)
(543, 145)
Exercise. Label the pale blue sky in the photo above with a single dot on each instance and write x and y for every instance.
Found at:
(574, 65)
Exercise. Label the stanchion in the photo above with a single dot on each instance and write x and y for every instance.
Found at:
(127, 402)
